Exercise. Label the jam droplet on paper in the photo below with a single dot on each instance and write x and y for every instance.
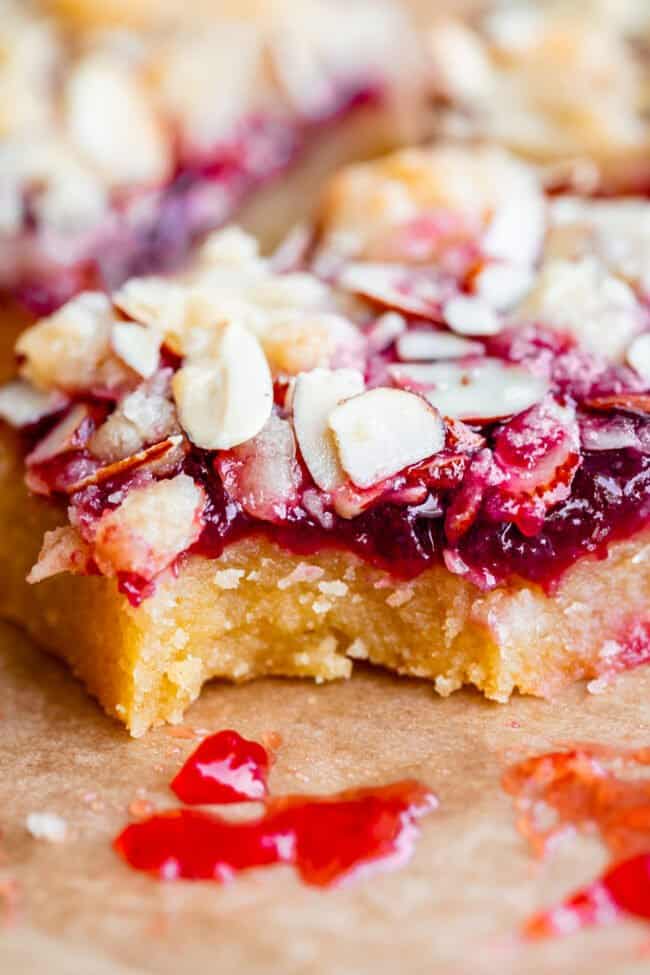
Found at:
(224, 768)
(583, 791)
(624, 888)
(326, 839)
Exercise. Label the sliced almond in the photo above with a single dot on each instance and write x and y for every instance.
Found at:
(153, 301)
(137, 346)
(111, 121)
(382, 431)
(516, 228)
(385, 330)
(21, 404)
(315, 395)
(385, 284)
(638, 403)
(458, 62)
(65, 436)
(224, 401)
(139, 459)
(292, 250)
(480, 391)
(503, 285)
(467, 315)
(419, 345)
(638, 355)
(230, 245)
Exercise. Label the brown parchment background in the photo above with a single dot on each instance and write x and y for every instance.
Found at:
(454, 909)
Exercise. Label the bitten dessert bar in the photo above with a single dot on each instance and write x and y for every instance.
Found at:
(417, 435)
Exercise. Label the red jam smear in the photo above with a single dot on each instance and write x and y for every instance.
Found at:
(327, 839)
(584, 789)
(224, 768)
(623, 889)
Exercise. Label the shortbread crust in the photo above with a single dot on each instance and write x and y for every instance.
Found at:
(416, 435)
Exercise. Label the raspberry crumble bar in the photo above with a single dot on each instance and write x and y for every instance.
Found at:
(129, 129)
(418, 436)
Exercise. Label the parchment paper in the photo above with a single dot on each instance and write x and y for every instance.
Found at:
(454, 908)
(76, 909)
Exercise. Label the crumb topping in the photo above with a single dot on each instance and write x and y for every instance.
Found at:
(552, 80)
(47, 826)
(466, 397)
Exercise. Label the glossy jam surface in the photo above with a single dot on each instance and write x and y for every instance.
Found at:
(482, 507)
(610, 500)
(327, 839)
(224, 768)
(589, 787)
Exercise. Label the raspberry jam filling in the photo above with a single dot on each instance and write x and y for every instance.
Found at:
(153, 230)
(523, 497)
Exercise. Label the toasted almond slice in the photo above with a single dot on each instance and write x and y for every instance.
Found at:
(110, 120)
(471, 316)
(419, 376)
(385, 330)
(383, 283)
(480, 391)
(226, 400)
(628, 402)
(153, 301)
(460, 66)
(638, 355)
(516, 231)
(420, 345)
(230, 245)
(316, 393)
(146, 456)
(63, 437)
(137, 346)
(503, 285)
(382, 431)
(21, 404)
(291, 252)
